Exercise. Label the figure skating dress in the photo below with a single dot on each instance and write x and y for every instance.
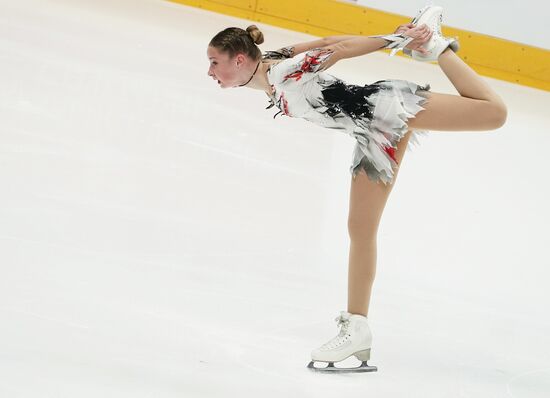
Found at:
(375, 114)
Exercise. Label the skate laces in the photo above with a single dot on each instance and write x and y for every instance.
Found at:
(343, 323)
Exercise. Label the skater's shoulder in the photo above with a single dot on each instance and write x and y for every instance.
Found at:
(298, 69)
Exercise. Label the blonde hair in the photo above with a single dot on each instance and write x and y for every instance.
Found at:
(236, 40)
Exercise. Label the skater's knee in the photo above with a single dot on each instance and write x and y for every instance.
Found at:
(498, 113)
(501, 114)
(362, 229)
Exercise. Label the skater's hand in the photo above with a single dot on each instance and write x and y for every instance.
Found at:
(403, 28)
(421, 34)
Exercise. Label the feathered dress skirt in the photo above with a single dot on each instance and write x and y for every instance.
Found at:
(380, 111)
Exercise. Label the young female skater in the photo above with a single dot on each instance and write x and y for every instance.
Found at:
(381, 116)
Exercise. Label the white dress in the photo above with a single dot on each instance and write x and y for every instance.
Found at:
(375, 115)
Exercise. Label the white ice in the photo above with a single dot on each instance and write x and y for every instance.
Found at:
(163, 237)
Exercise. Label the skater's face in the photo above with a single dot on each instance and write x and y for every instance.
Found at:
(229, 72)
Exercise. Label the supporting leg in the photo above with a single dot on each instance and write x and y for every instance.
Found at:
(367, 202)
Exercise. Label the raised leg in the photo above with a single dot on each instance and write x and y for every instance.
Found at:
(367, 202)
(477, 108)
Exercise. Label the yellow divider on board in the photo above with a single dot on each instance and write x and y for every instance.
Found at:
(490, 56)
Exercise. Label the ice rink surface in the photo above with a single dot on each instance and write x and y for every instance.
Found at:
(163, 237)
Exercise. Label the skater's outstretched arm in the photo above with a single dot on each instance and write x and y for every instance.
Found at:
(298, 48)
(362, 45)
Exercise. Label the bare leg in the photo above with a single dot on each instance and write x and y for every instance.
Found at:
(477, 108)
(367, 202)
(466, 81)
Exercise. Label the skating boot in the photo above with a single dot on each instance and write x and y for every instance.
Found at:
(432, 17)
(354, 338)
(398, 41)
(414, 21)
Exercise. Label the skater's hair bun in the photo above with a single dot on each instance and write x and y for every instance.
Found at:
(236, 40)
(256, 34)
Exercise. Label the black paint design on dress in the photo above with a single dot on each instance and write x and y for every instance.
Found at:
(350, 99)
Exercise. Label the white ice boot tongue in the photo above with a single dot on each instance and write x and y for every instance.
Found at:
(344, 316)
(343, 321)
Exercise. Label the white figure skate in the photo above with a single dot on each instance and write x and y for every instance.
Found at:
(432, 16)
(354, 338)
(398, 41)
(414, 21)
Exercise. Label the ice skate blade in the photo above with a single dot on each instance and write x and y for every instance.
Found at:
(330, 368)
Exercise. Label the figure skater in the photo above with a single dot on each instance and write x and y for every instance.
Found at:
(381, 116)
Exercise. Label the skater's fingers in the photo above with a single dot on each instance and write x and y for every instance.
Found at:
(414, 33)
(402, 28)
(423, 35)
(426, 36)
(418, 32)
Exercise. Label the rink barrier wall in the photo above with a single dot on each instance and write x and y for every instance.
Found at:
(489, 56)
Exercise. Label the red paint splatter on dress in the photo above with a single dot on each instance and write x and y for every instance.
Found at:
(285, 104)
(391, 152)
(310, 61)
